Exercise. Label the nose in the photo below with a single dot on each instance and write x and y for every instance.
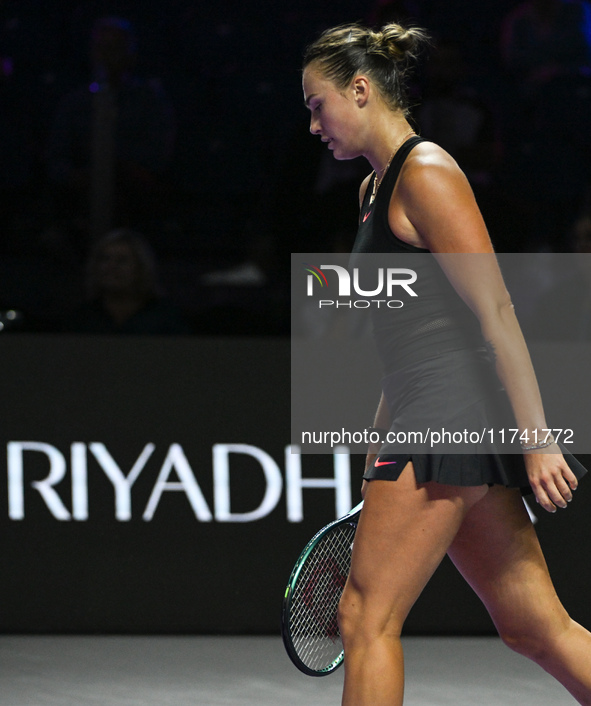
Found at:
(314, 125)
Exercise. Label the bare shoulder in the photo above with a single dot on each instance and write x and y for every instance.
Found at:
(363, 188)
(433, 205)
(429, 167)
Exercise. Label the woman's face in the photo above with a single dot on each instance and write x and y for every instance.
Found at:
(117, 269)
(335, 114)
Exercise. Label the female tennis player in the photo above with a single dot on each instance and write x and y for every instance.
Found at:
(419, 506)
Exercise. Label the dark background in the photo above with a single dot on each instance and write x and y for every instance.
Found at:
(242, 184)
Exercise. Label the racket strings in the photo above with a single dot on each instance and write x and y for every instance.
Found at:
(315, 599)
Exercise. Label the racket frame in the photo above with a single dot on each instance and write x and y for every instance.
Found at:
(352, 518)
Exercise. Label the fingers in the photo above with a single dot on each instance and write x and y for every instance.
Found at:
(553, 487)
(543, 500)
(554, 494)
(571, 479)
(564, 489)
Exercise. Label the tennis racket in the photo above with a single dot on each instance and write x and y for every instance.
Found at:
(309, 618)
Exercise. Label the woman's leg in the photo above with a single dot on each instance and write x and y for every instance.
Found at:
(404, 531)
(497, 551)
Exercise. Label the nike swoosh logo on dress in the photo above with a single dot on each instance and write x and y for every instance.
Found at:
(383, 463)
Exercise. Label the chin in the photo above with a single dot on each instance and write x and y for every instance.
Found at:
(341, 156)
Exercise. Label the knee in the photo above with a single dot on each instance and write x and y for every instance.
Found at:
(523, 643)
(349, 617)
(362, 621)
(535, 640)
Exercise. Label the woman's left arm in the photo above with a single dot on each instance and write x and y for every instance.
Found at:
(439, 204)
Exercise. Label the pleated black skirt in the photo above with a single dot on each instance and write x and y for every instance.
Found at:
(457, 396)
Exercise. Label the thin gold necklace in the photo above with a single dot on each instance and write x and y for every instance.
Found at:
(377, 181)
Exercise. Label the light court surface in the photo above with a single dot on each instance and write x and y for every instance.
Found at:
(251, 671)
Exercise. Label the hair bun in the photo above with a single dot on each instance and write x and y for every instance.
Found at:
(397, 43)
(342, 52)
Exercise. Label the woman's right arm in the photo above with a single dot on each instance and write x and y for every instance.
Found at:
(439, 203)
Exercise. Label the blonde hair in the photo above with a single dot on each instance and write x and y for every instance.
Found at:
(385, 56)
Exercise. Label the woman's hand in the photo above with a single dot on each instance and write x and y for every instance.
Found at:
(551, 479)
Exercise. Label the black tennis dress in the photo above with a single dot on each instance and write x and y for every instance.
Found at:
(437, 370)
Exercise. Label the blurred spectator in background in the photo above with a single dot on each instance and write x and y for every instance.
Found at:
(16, 153)
(220, 73)
(111, 141)
(123, 292)
(314, 202)
(544, 39)
(28, 48)
(453, 114)
(246, 186)
(563, 312)
(545, 46)
(581, 235)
